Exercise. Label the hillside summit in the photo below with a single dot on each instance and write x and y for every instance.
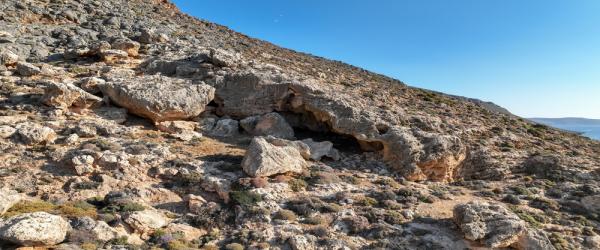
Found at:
(126, 124)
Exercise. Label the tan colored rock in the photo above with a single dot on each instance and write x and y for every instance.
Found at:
(32, 133)
(6, 131)
(65, 95)
(159, 98)
(131, 47)
(112, 55)
(187, 232)
(266, 159)
(176, 126)
(147, 221)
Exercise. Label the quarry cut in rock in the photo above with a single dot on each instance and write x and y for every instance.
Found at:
(159, 98)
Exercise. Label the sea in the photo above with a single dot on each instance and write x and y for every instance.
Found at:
(589, 131)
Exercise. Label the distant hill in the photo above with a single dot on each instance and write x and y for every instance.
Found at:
(567, 121)
(583, 126)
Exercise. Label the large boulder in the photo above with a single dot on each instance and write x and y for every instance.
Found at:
(267, 158)
(491, 224)
(8, 198)
(421, 155)
(159, 98)
(65, 95)
(272, 124)
(34, 229)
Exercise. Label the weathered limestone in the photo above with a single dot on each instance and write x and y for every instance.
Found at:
(272, 124)
(266, 159)
(65, 95)
(34, 229)
(491, 224)
(159, 98)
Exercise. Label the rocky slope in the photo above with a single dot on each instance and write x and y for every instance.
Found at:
(127, 124)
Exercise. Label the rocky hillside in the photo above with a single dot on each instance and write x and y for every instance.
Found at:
(125, 124)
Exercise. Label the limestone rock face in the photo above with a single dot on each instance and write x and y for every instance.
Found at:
(8, 198)
(65, 95)
(272, 124)
(159, 98)
(266, 159)
(34, 229)
(251, 93)
(491, 224)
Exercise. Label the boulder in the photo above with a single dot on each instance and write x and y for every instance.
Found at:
(83, 164)
(90, 84)
(65, 95)
(32, 133)
(320, 149)
(27, 69)
(491, 224)
(86, 229)
(421, 155)
(8, 58)
(272, 124)
(111, 55)
(147, 221)
(6, 131)
(186, 232)
(129, 46)
(8, 198)
(159, 98)
(34, 229)
(225, 128)
(175, 127)
(264, 158)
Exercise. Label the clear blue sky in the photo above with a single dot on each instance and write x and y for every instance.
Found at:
(538, 58)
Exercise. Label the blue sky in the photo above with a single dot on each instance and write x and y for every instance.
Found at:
(538, 58)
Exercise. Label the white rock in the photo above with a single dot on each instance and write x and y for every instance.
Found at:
(34, 229)
(6, 131)
(32, 133)
(8, 198)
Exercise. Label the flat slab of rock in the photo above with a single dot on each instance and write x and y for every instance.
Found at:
(159, 98)
(34, 229)
(491, 224)
(264, 158)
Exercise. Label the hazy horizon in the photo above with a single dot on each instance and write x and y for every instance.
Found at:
(535, 58)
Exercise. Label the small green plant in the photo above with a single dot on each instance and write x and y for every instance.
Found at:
(245, 198)
(24, 207)
(367, 201)
(297, 185)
